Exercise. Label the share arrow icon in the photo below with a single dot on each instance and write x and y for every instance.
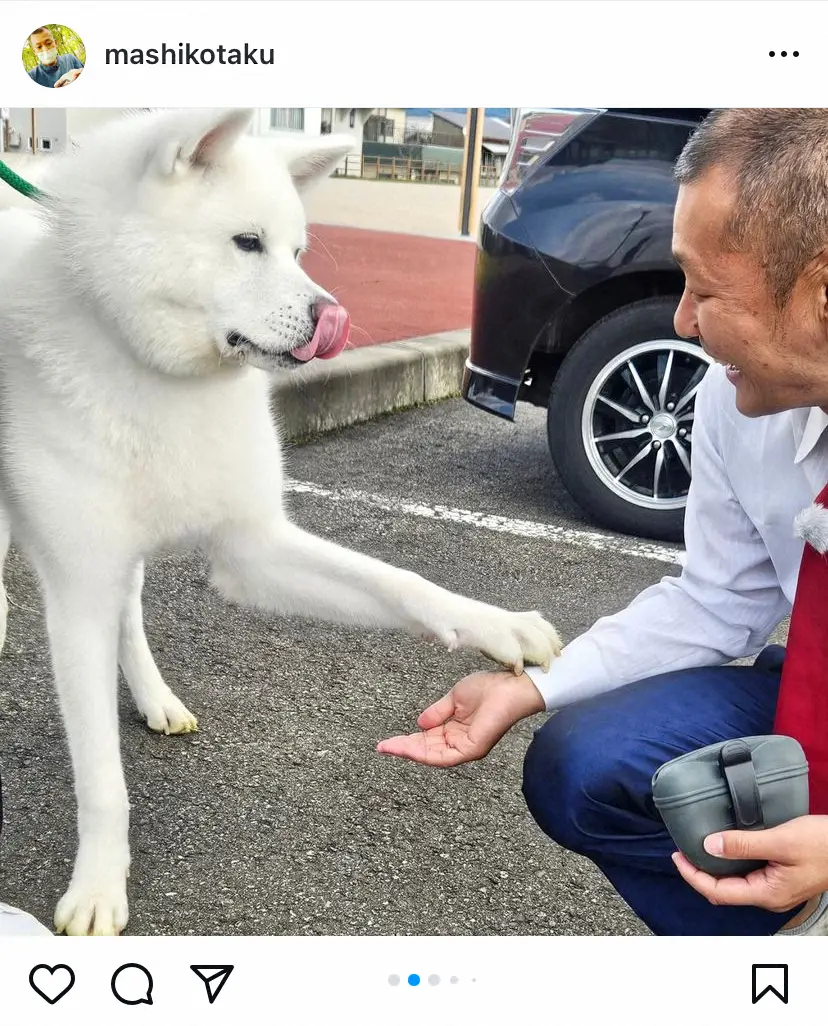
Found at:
(213, 977)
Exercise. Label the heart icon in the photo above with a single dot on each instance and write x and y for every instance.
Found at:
(52, 982)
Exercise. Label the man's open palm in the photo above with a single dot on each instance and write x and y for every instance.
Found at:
(469, 721)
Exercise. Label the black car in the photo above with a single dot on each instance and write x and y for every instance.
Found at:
(575, 292)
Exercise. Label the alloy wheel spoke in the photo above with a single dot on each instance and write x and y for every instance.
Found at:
(625, 411)
(665, 381)
(682, 453)
(685, 399)
(639, 384)
(643, 453)
(618, 436)
(659, 466)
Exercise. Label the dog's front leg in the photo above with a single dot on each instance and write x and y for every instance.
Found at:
(82, 622)
(278, 566)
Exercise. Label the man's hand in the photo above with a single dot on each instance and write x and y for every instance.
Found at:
(797, 869)
(70, 76)
(469, 721)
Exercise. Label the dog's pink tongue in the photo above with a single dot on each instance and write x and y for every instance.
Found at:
(330, 337)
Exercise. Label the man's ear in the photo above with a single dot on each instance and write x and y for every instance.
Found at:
(310, 162)
(201, 139)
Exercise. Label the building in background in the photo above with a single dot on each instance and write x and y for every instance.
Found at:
(449, 129)
(30, 130)
(412, 143)
(312, 120)
(386, 125)
(421, 144)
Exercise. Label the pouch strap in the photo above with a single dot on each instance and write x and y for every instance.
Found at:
(736, 761)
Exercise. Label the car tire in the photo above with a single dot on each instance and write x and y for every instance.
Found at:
(584, 429)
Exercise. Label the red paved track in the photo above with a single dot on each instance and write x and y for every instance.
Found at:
(394, 286)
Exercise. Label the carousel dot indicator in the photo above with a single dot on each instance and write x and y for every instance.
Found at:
(394, 980)
(414, 980)
(434, 979)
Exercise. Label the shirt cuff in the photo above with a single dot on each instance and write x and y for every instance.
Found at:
(579, 672)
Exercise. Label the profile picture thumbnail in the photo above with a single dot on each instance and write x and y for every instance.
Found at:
(53, 56)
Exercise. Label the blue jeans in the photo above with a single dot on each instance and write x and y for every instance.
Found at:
(587, 782)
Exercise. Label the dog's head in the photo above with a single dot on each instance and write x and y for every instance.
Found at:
(189, 231)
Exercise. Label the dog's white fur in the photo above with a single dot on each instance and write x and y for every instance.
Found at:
(129, 423)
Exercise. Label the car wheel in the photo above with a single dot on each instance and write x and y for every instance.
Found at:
(620, 419)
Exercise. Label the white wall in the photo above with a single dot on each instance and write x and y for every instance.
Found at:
(313, 120)
(80, 120)
(261, 121)
(60, 125)
(341, 123)
(35, 130)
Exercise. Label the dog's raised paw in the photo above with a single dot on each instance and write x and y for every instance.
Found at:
(96, 911)
(514, 640)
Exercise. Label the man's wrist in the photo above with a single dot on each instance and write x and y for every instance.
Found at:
(527, 700)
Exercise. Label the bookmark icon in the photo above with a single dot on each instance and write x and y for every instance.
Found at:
(213, 977)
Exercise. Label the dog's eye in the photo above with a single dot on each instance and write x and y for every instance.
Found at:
(249, 242)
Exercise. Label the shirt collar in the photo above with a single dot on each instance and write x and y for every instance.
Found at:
(809, 425)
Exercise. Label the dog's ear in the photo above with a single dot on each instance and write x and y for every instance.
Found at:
(203, 139)
(308, 163)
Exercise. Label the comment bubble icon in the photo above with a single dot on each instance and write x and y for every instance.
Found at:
(132, 984)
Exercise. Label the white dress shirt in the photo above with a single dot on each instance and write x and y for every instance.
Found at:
(751, 477)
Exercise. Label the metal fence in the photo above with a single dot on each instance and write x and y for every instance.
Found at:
(411, 136)
(407, 170)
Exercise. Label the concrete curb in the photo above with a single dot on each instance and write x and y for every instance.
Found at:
(365, 383)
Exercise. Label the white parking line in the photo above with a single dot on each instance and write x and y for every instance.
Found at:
(503, 525)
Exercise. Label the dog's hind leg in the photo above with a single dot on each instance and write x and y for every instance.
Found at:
(163, 712)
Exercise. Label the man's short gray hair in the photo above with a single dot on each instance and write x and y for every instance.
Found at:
(778, 160)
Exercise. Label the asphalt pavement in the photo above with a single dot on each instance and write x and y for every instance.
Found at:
(278, 817)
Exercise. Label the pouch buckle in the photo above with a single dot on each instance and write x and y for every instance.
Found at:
(736, 761)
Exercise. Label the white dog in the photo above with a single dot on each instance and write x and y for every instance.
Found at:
(138, 322)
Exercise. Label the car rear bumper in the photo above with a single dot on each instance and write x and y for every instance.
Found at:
(515, 299)
(490, 392)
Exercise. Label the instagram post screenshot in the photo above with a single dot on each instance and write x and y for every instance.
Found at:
(413, 519)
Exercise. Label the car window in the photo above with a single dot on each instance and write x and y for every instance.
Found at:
(611, 138)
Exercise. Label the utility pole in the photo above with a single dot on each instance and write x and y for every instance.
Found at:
(470, 178)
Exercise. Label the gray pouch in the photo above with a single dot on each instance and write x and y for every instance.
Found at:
(750, 783)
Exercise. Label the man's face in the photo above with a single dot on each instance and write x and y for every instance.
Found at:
(42, 42)
(778, 358)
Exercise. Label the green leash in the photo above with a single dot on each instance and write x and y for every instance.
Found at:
(20, 184)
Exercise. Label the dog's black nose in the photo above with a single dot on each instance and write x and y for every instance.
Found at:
(235, 338)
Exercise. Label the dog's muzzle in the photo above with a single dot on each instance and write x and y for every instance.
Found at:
(332, 327)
